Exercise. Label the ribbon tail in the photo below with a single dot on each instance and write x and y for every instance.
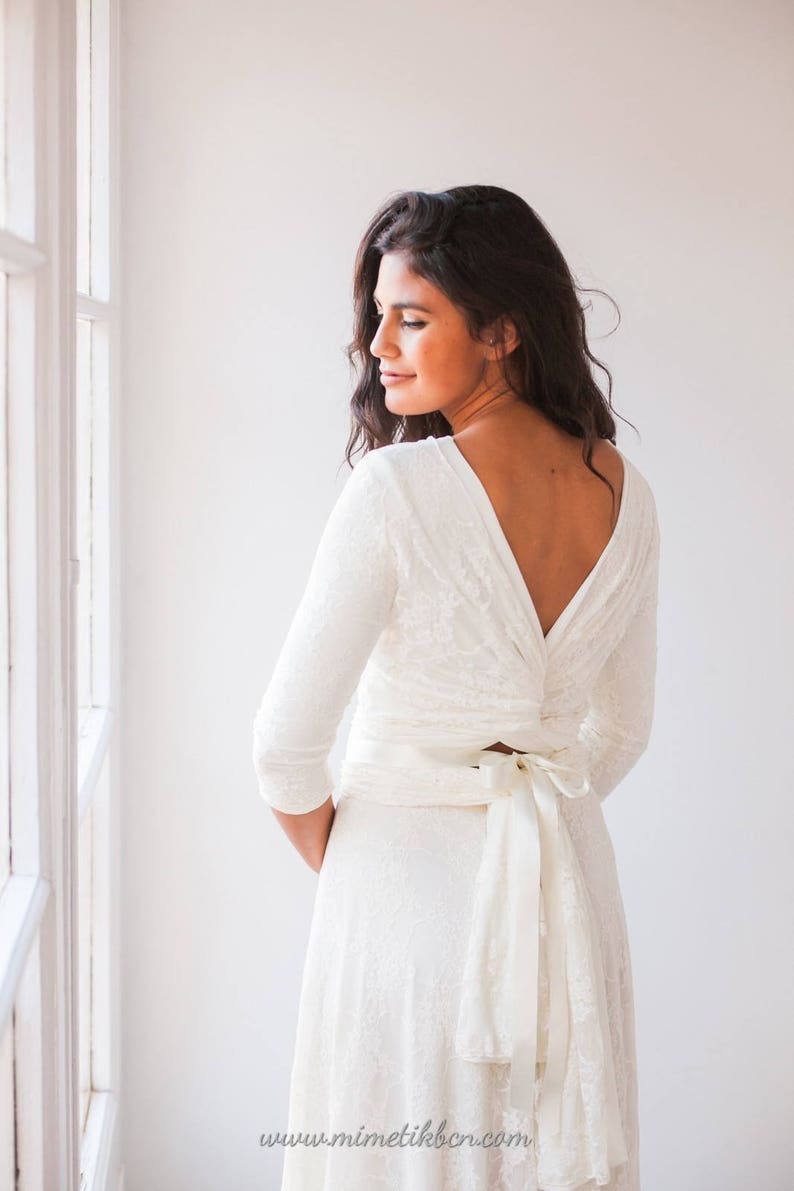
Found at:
(550, 1108)
(483, 1029)
(526, 858)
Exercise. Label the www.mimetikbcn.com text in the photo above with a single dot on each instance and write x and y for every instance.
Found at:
(407, 1136)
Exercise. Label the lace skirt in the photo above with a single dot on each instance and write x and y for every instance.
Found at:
(378, 1097)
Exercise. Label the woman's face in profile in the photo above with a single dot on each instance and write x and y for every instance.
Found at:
(427, 341)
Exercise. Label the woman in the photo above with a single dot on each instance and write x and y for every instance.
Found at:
(487, 580)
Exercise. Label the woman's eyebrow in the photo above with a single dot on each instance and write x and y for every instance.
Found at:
(405, 305)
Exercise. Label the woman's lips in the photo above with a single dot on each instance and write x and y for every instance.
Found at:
(393, 378)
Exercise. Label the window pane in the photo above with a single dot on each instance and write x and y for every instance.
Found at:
(18, 208)
(7, 1142)
(3, 115)
(83, 495)
(85, 946)
(93, 144)
(83, 65)
(5, 808)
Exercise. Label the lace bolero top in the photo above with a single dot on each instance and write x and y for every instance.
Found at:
(416, 601)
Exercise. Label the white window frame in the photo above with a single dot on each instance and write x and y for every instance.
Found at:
(53, 771)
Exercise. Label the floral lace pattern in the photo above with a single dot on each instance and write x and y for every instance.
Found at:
(414, 602)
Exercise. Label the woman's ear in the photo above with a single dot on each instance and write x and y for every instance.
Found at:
(503, 335)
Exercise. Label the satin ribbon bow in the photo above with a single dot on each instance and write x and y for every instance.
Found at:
(534, 781)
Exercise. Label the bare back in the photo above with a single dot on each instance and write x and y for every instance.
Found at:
(556, 515)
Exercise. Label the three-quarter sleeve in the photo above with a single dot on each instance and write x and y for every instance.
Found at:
(344, 608)
(617, 727)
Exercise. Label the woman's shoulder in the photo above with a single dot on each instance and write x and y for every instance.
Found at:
(639, 481)
(401, 461)
(644, 517)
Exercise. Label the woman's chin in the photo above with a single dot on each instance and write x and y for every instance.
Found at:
(407, 406)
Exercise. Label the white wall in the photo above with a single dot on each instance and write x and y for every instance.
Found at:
(258, 139)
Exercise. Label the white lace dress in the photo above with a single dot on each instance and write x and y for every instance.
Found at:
(468, 927)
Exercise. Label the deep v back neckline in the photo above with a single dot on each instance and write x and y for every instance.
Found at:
(479, 494)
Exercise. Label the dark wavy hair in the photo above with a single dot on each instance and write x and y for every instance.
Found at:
(492, 256)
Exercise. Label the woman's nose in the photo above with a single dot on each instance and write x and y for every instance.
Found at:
(379, 342)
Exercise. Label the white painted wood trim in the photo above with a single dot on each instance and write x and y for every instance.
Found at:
(94, 740)
(44, 842)
(22, 904)
(107, 677)
(52, 780)
(90, 308)
(99, 1140)
(18, 255)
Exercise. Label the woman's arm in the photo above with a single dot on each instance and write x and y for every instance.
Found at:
(309, 832)
(343, 610)
(618, 725)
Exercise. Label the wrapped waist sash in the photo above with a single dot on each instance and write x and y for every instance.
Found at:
(526, 854)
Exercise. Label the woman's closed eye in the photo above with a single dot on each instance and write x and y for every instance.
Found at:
(404, 322)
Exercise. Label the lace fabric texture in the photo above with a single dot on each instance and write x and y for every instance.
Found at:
(415, 601)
